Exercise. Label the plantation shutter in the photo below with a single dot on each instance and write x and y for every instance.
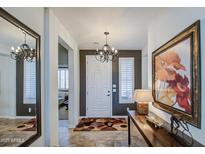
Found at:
(63, 79)
(126, 80)
(29, 82)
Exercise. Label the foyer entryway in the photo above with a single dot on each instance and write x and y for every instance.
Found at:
(98, 88)
(108, 85)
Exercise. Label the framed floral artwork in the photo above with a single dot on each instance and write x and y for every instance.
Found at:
(176, 75)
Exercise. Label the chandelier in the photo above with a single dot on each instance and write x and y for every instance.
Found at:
(23, 52)
(107, 53)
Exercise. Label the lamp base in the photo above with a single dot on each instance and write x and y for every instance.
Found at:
(142, 108)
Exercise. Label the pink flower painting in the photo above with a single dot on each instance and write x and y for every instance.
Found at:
(172, 77)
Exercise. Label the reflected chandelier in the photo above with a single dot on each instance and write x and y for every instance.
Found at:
(107, 53)
(23, 52)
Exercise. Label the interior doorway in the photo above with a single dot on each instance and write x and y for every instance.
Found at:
(63, 90)
(63, 83)
(65, 107)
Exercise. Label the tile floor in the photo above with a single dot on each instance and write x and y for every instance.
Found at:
(68, 138)
(9, 136)
(63, 113)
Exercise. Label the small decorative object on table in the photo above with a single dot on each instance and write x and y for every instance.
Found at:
(157, 123)
(184, 136)
(142, 97)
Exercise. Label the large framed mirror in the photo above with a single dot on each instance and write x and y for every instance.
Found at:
(20, 88)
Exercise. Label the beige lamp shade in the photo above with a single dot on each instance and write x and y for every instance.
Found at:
(143, 95)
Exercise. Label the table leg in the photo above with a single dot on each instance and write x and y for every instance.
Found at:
(129, 140)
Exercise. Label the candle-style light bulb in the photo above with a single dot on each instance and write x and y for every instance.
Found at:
(12, 48)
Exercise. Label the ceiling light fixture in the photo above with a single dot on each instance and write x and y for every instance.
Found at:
(107, 53)
(23, 52)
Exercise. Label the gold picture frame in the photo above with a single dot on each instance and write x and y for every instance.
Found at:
(176, 75)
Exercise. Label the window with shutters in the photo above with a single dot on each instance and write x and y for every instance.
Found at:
(126, 80)
(29, 82)
(63, 79)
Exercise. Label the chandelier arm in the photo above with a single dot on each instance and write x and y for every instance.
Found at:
(24, 37)
(106, 39)
(13, 56)
(99, 57)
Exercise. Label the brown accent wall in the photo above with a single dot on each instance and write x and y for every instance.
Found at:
(83, 54)
(118, 109)
(21, 108)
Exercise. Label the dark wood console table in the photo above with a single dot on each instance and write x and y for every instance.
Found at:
(154, 137)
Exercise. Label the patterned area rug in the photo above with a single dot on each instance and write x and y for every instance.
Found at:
(28, 125)
(101, 124)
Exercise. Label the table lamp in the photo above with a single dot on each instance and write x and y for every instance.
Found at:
(142, 98)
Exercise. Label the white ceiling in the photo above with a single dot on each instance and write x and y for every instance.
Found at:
(127, 26)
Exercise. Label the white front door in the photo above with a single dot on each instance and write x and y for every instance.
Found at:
(98, 87)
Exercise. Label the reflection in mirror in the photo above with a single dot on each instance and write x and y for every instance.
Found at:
(17, 85)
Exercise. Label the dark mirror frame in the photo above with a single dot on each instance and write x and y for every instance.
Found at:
(8, 17)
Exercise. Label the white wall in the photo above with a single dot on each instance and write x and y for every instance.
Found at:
(55, 30)
(34, 18)
(161, 30)
(144, 68)
(7, 84)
